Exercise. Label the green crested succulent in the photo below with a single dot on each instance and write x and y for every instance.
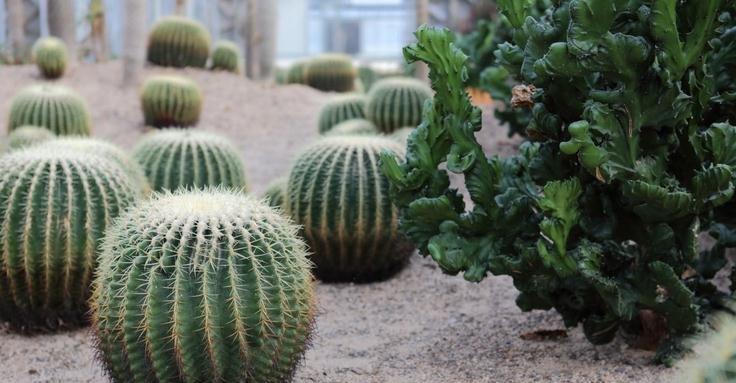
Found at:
(337, 193)
(56, 206)
(178, 42)
(356, 126)
(49, 54)
(171, 101)
(330, 73)
(54, 107)
(340, 109)
(28, 135)
(203, 286)
(397, 102)
(184, 158)
(295, 73)
(715, 359)
(226, 56)
(275, 194)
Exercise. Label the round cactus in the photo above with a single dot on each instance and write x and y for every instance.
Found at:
(56, 108)
(356, 126)
(226, 56)
(275, 194)
(330, 73)
(337, 192)
(171, 101)
(182, 158)
(178, 42)
(295, 74)
(716, 356)
(56, 205)
(49, 54)
(395, 103)
(339, 109)
(204, 286)
(401, 135)
(28, 135)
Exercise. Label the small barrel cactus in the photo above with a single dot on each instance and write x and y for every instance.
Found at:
(356, 126)
(170, 101)
(28, 135)
(226, 56)
(397, 102)
(56, 205)
(183, 158)
(716, 356)
(50, 56)
(54, 107)
(331, 73)
(178, 42)
(295, 74)
(339, 109)
(275, 194)
(204, 286)
(337, 192)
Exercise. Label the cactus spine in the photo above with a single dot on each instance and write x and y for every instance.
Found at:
(171, 101)
(55, 207)
(338, 194)
(226, 56)
(339, 109)
(181, 158)
(178, 42)
(331, 73)
(395, 103)
(205, 286)
(56, 108)
(50, 56)
(356, 126)
(28, 135)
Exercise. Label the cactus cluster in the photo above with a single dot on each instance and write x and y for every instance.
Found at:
(275, 194)
(337, 193)
(184, 158)
(28, 135)
(226, 56)
(205, 286)
(54, 107)
(330, 73)
(55, 205)
(178, 42)
(357, 126)
(50, 56)
(397, 102)
(171, 101)
(339, 109)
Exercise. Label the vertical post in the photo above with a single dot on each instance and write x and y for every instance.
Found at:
(181, 7)
(252, 40)
(134, 39)
(63, 24)
(267, 28)
(422, 17)
(16, 33)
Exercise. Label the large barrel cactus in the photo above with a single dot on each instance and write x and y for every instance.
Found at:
(397, 102)
(50, 56)
(171, 101)
(28, 135)
(339, 109)
(54, 208)
(331, 73)
(178, 42)
(56, 108)
(356, 126)
(226, 56)
(337, 193)
(204, 286)
(275, 194)
(182, 158)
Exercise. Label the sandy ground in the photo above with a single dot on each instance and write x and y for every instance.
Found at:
(420, 326)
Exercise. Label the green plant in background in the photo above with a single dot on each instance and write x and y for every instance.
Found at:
(28, 135)
(49, 54)
(330, 73)
(226, 56)
(337, 193)
(716, 356)
(397, 102)
(296, 73)
(56, 205)
(171, 101)
(56, 108)
(340, 109)
(275, 194)
(599, 218)
(205, 286)
(178, 42)
(183, 158)
(357, 126)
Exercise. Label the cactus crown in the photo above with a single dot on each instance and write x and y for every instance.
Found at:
(397, 102)
(331, 72)
(28, 135)
(203, 286)
(56, 108)
(339, 109)
(50, 55)
(171, 101)
(357, 126)
(182, 158)
(178, 42)
(226, 56)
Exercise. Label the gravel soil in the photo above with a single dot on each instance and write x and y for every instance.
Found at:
(420, 326)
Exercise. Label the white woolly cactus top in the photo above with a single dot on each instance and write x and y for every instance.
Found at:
(716, 356)
(169, 79)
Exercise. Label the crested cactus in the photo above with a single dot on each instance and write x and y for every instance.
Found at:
(56, 108)
(171, 101)
(337, 193)
(715, 361)
(331, 73)
(205, 286)
(397, 102)
(181, 158)
(49, 54)
(275, 194)
(226, 56)
(295, 73)
(339, 109)
(178, 42)
(56, 205)
(28, 135)
(357, 126)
